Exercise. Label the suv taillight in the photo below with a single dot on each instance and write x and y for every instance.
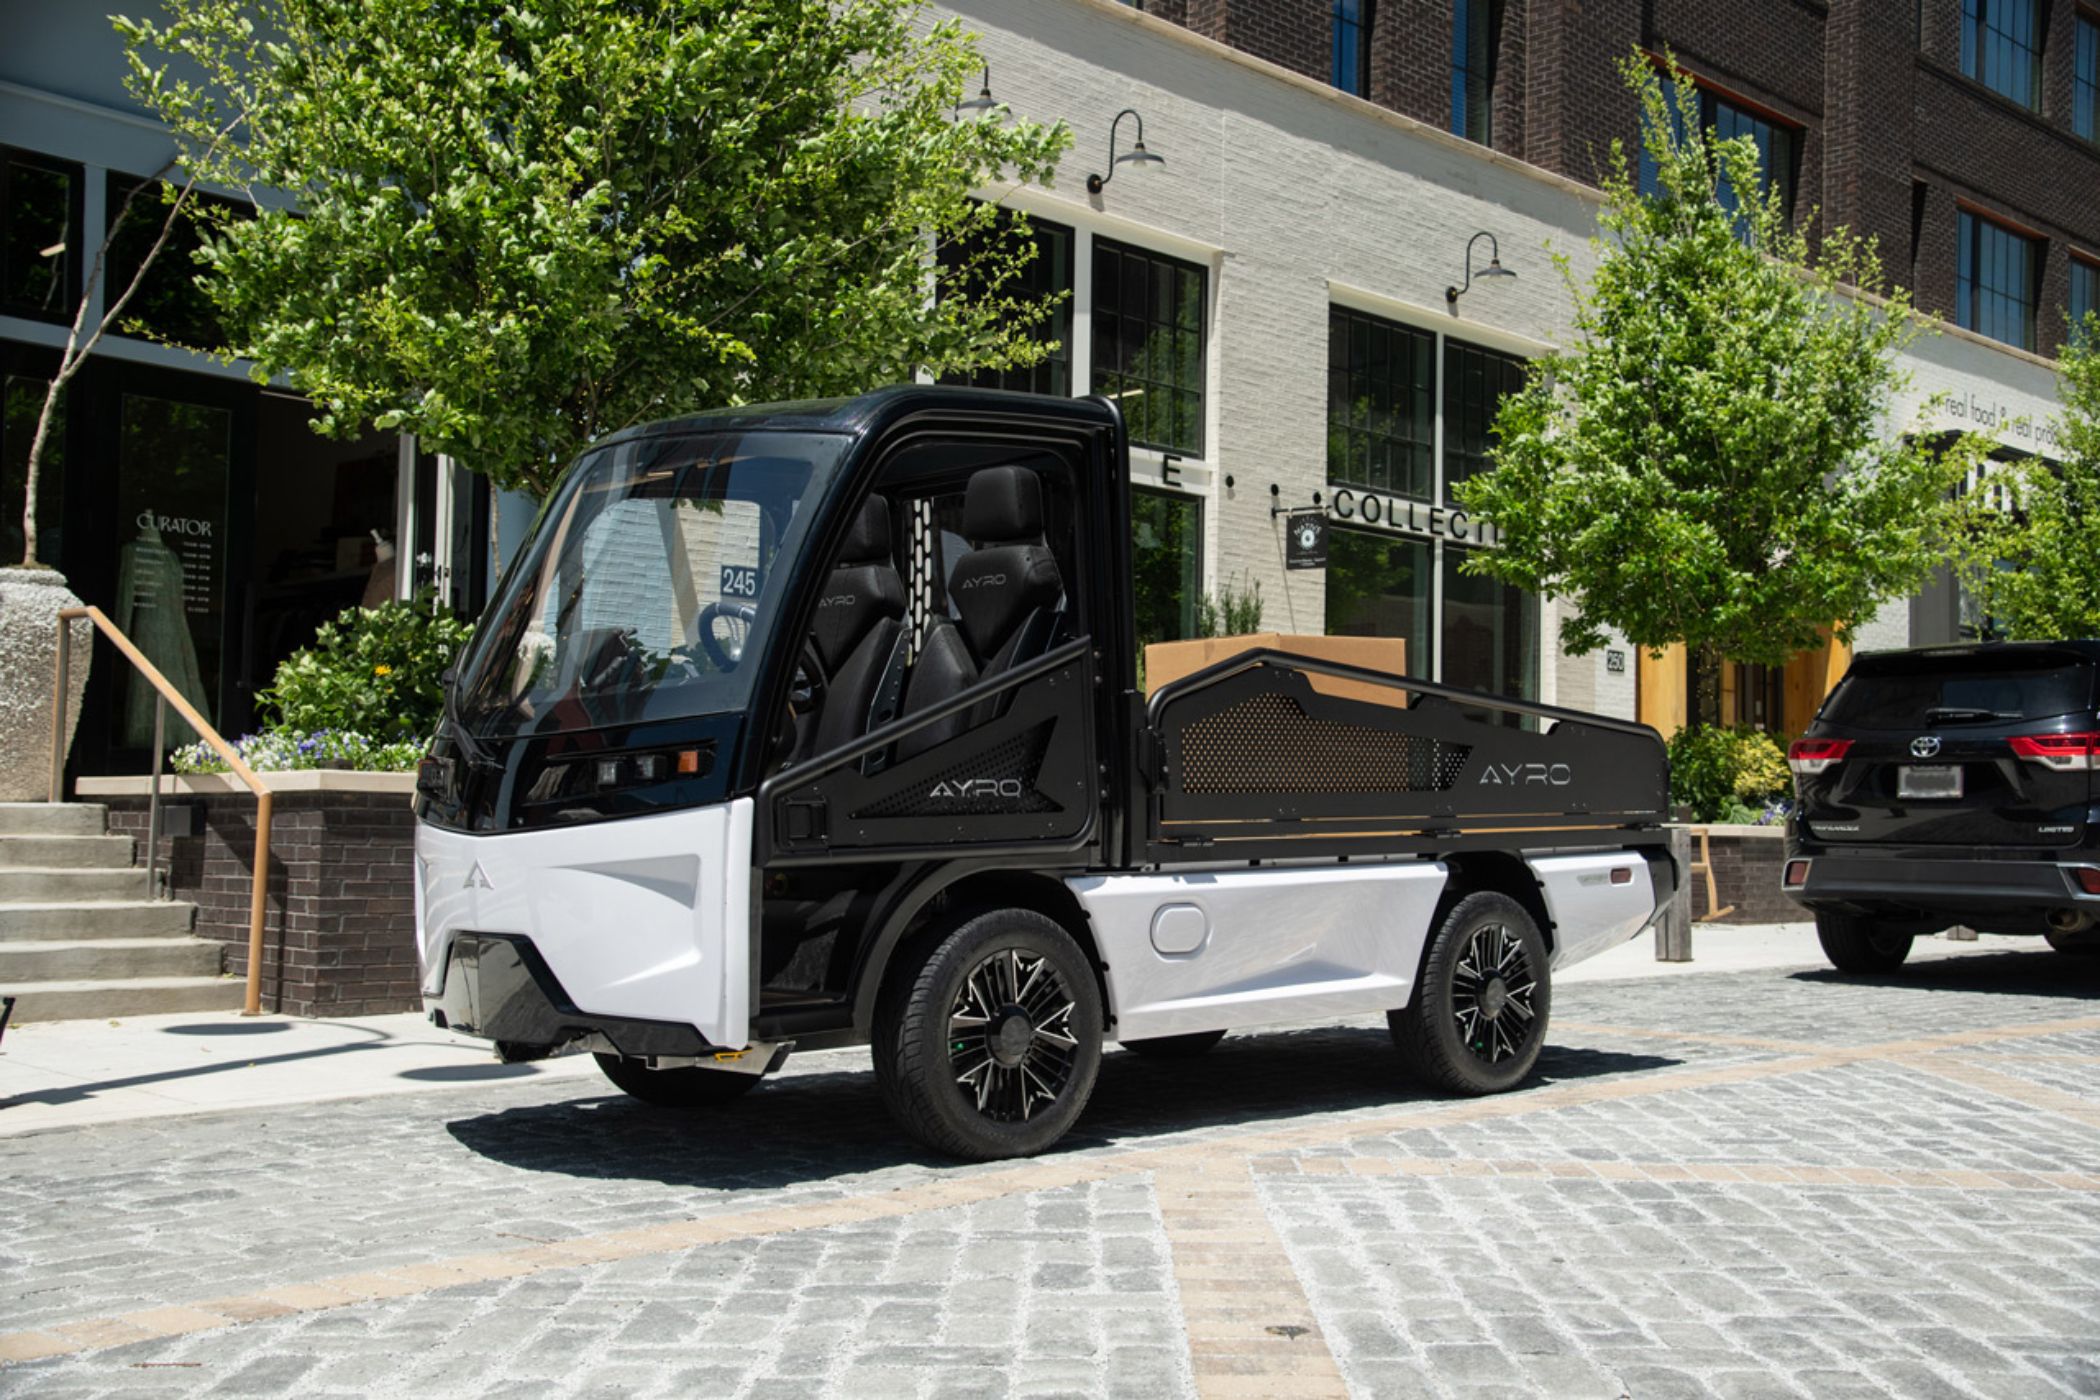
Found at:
(2066, 753)
(1811, 756)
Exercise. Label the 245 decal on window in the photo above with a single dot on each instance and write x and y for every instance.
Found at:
(739, 581)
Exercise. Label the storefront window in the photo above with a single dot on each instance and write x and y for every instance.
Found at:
(39, 236)
(1491, 633)
(1166, 564)
(1474, 382)
(1380, 586)
(1381, 426)
(1148, 344)
(169, 305)
(1046, 276)
(21, 400)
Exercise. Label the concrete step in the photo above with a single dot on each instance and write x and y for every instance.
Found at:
(73, 852)
(53, 818)
(96, 919)
(80, 884)
(32, 961)
(130, 996)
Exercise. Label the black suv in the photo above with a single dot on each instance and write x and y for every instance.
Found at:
(1951, 785)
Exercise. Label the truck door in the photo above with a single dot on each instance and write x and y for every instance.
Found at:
(986, 741)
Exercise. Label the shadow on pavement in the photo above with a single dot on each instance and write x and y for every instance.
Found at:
(228, 1028)
(812, 1127)
(2024, 973)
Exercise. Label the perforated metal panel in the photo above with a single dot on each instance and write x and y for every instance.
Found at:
(1268, 744)
(997, 781)
(925, 565)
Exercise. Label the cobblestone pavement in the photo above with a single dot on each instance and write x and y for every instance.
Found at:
(1750, 1184)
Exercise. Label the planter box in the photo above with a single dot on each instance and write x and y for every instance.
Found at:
(339, 935)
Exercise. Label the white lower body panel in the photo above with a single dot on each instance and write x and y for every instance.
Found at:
(1213, 950)
(646, 917)
(1590, 913)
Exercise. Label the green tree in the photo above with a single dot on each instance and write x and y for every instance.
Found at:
(1708, 462)
(2035, 568)
(514, 225)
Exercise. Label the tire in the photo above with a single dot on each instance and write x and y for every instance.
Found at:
(2085, 944)
(988, 1037)
(691, 1086)
(1857, 944)
(1468, 1033)
(1175, 1047)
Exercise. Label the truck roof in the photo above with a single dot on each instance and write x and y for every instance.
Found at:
(865, 412)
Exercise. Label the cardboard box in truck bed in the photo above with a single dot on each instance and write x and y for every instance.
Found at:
(1170, 661)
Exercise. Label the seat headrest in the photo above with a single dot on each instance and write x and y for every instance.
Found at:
(868, 542)
(1003, 505)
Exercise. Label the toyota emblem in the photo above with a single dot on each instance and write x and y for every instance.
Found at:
(1925, 746)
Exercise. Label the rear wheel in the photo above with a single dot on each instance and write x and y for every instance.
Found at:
(1477, 1020)
(987, 1041)
(1855, 943)
(2084, 944)
(1175, 1047)
(689, 1087)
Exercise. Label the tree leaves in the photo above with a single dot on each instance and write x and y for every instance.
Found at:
(521, 225)
(1711, 461)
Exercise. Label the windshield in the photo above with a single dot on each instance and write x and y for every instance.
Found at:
(1925, 692)
(647, 581)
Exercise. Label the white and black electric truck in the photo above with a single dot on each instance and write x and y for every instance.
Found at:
(819, 724)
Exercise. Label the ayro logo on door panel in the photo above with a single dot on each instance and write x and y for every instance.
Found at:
(1526, 775)
(978, 787)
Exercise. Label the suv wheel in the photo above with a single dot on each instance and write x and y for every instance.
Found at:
(1854, 943)
(2084, 944)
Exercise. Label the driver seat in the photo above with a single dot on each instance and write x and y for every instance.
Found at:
(1009, 601)
(858, 635)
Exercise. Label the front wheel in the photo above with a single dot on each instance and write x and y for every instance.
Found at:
(692, 1086)
(1477, 1020)
(1857, 944)
(988, 1038)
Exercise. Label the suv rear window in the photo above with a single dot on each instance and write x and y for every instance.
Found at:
(1923, 691)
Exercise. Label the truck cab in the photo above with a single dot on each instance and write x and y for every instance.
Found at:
(819, 724)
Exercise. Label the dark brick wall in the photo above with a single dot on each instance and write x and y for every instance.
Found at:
(1746, 875)
(1874, 88)
(339, 937)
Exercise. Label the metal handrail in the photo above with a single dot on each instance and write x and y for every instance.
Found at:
(259, 882)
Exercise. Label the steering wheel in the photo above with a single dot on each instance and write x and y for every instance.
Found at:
(740, 616)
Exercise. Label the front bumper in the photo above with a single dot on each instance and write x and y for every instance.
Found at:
(498, 987)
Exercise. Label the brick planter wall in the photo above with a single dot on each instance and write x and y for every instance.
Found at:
(1747, 863)
(339, 936)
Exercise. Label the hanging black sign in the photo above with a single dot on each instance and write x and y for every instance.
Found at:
(1305, 540)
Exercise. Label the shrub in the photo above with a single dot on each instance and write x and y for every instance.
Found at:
(1729, 775)
(284, 750)
(374, 672)
(1233, 611)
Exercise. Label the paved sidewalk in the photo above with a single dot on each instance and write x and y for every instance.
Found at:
(59, 1074)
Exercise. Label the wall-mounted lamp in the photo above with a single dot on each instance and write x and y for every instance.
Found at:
(1493, 269)
(1136, 155)
(983, 102)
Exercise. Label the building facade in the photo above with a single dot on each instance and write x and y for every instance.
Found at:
(1328, 166)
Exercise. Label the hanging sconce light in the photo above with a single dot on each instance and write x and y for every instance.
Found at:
(1493, 269)
(982, 104)
(1136, 155)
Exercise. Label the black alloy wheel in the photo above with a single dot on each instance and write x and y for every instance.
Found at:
(1477, 1019)
(987, 1039)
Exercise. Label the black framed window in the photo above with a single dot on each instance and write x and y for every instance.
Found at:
(1352, 46)
(2001, 47)
(169, 305)
(1382, 586)
(2085, 297)
(40, 212)
(1148, 312)
(1490, 633)
(2085, 79)
(1995, 281)
(1776, 145)
(1166, 564)
(1381, 424)
(1475, 26)
(1046, 276)
(1475, 381)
